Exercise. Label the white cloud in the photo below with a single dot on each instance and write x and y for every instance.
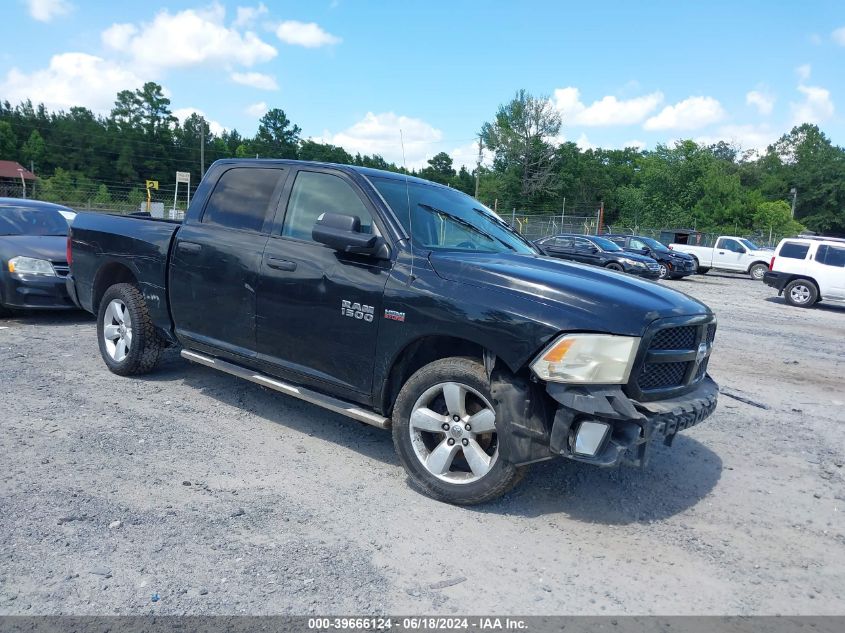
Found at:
(183, 113)
(71, 79)
(257, 110)
(743, 137)
(256, 80)
(606, 111)
(584, 143)
(187, 38)
(763, 101)
(46, 10)
(803, 71)
(636, 144)
(246, 16)
(467, 156)
(816, 107)
(839, 36)
(690, 114)
(379, 134)
(307, 34)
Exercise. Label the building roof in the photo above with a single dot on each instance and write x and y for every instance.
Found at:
(12, 169)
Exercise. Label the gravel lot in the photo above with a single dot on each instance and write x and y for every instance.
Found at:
(190, 491)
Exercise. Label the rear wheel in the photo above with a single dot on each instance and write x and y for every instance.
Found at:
(129, 343)
(757, 271)
(446, 434)
(615, 266)
(701, 271)
(801, 293)
(664, 271)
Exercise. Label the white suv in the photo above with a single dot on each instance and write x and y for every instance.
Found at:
(808, 269)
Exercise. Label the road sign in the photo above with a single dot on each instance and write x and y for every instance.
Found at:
(183, 176)
(152, 184)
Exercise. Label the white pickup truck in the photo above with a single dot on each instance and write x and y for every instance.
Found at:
(735, 254)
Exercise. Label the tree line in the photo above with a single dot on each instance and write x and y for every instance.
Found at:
(80, 155)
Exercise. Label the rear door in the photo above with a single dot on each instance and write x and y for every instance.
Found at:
(830, 270)
(217, 258)
(318, 309)
(729, 254)
(559, 247)
(587, 252)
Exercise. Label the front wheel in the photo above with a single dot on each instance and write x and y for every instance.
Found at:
(801, 293)
(129, 343)
(701, 271)
(757, 271)
(446, 433)
(664, 271)
(615, 266)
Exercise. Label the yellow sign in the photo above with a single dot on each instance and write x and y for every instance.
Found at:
(152, 184)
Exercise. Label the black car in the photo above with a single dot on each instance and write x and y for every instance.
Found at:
(479, 353)
(598, 251)
(33, 256)
(673, 264)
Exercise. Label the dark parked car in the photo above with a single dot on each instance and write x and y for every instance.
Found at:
(481, 355)
(673, 264)
(598, 251)
(33, 259)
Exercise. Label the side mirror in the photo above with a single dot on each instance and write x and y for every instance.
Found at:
(645, 250)
(343, 233)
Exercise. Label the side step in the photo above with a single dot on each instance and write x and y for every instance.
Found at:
(327, 402)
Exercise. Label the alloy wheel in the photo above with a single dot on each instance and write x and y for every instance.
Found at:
(117, 330)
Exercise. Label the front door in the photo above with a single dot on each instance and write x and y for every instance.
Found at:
(729, 254)
(217, 258)
(319, 310)
(830, 271)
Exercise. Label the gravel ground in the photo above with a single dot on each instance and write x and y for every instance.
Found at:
(190, 491)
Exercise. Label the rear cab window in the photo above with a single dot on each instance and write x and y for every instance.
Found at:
(243, 198)
(794, 250)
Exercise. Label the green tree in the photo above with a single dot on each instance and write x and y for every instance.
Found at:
(277, 137)
(775, 218)
(8, 142)
(33, 150)
(439, 168)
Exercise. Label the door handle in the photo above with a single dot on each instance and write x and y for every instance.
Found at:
(721, 252)
(281, 264)
(189, 247)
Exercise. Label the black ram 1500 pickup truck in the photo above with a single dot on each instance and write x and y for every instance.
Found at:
(406, 304)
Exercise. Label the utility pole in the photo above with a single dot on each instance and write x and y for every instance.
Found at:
(478, 166)
(202, 147)
(601, 217)
(562, 213)
(794, 193)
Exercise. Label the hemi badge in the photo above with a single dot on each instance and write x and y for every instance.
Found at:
(394, 315)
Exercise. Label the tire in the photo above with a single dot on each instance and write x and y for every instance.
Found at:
(419, 416)
(801, 293)
(129, 343)
(701, 271)
(4, 311)
(664, 271)
(615, 266)
(757, 271)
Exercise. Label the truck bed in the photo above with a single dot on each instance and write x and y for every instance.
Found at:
(140, 245)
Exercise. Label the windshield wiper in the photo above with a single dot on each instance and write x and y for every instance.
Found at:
(464, 223)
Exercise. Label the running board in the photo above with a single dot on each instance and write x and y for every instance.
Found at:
(327, 402)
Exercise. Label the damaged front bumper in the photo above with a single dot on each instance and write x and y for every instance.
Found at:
(630, 425)
(539, 426)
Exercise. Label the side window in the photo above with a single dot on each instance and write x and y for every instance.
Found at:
(582, 244)
(794, 250)
(242, 198)
(620, 241)
(315, 193)
(730, 245)
(635, 243)
(831, 256)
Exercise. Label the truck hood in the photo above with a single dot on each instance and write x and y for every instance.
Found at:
(581, 297)
(49, 247)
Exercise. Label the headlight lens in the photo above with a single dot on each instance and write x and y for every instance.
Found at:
(587, 359)
(633, 262)
(31, 266)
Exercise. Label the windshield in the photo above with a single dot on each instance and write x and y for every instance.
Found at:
(750, 245)
(654, 245)
(606, 245)
(448, 219)
(31, 221)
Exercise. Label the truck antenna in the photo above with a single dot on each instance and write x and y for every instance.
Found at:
(410, 216)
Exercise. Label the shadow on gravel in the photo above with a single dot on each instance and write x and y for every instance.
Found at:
(275, 407)
(676, 479)
(824, 307)
(47, 317)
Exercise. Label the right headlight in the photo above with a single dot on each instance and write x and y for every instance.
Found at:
(603, 359)
(31, 265)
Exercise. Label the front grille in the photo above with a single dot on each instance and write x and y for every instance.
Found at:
(675, 338)
(661, 375)
(676, 357)
(61, 268)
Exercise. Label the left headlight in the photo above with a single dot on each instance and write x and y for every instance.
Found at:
(603, 359)
(633, 262)
(31, 266)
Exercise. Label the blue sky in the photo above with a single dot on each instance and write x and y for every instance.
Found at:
(353, 72)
